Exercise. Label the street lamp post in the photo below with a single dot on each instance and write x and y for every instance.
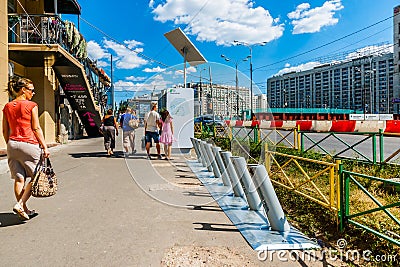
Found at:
(201, 93)
(250, 46)
(236, 62)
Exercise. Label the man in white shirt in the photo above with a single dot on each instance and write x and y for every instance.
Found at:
(151, 124)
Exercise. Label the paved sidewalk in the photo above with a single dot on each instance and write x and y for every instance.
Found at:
(119, 212)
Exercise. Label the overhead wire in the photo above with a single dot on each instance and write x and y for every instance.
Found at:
(324, 45)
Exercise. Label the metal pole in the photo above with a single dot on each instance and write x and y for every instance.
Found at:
(196, 148)
(224, 176)
(236, 186)
(206, 158)
(273, 208)
(211, 156)
(201, 95)
(184, 66)
(251, 80)
(212, 100)
(381, 139)
(342, 195)
(249, 189)
(112, 85)
(237, 90)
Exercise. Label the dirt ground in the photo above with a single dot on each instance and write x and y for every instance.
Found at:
(204, 256)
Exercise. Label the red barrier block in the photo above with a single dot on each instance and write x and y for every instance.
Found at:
(343, 126)
(276, 124)
(227, 122)
(239, 123)
(255, 123)
(392, 126)
(304, 125)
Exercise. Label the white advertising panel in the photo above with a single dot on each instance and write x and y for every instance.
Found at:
(372, 117)
(180, 104)
(357, 117)
(385, 117)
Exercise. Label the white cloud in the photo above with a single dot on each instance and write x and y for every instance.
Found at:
(221, 21)
(153, 84)
(371, 50)
(135, 79)
(306, 20)
(156, 69)
(151, 3)
(375, 50)
(102, 64)
(301, 67)
(95, 51)
(125, 58)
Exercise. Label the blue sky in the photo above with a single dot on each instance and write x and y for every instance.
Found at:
(133, 33)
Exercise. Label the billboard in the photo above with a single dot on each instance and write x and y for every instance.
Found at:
(180, 104)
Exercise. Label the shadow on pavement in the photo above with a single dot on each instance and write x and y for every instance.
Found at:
(204, 207)
(211, 227)
(9, 219)
(102, 154)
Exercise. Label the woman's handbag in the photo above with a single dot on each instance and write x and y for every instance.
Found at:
(45, 181)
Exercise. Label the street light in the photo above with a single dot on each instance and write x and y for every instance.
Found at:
(236, 62)
(250, 46)
(201, 93)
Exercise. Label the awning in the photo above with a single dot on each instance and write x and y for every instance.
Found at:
(63, 7)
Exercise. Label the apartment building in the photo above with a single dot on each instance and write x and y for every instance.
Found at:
(368, 83)
(360, 84)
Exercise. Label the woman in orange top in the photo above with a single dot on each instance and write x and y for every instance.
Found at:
(23, 135)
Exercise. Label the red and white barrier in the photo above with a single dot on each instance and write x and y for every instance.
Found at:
(389, 126)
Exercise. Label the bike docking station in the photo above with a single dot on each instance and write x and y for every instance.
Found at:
(246, 195)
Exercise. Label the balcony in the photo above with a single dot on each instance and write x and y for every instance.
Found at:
(47, 30)
(47, 41)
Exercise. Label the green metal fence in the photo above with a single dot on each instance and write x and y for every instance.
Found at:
(375, 139)
(374, 209)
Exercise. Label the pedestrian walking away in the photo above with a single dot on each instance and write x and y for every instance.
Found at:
(25, 141)
(109, 129)
(128, 131)
(151, 126)
(167, 133)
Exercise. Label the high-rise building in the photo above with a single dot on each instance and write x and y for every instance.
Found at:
(368, 83)
(396, 59)
(360, 84)
(221, 100)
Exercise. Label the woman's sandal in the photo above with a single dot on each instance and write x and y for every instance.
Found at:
(20, 212)
(30, 212)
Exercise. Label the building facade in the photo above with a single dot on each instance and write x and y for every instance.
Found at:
(366, 84)
(36, 43)
(396, 57)
(221, 100)
(362, 84)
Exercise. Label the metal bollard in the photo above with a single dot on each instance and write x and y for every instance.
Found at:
(221, 167)
(249, 189)
(273, 208)
(211, 156)
(207, 162)
(201, 158)
(236, 186)
(196, 148)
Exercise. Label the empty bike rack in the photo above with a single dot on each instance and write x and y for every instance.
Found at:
(253, 207)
